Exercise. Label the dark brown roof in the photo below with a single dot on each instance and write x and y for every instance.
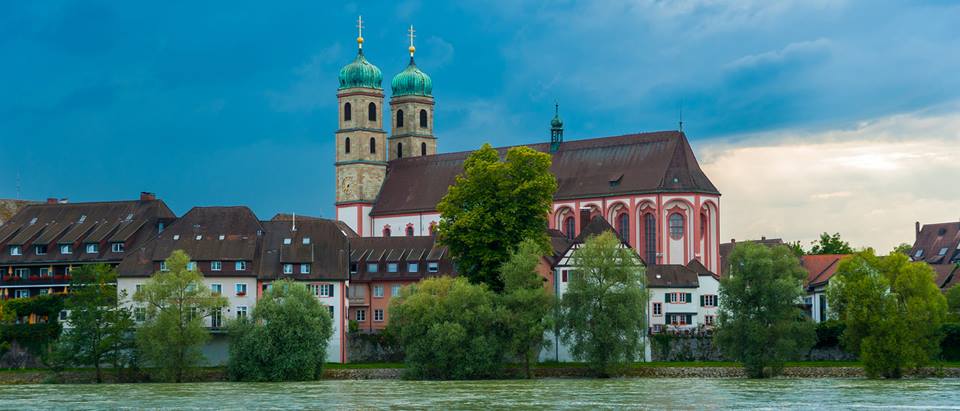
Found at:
(934, 238)
(399, 250)
(325, 251)
(559, 244)
(672, 276)
(700, 269)
(948, 275)
(641, 163)
(727, 248)
(10, 207)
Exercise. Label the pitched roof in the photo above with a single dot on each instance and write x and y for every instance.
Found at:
(672, 276)
(318, 242)
(399, 250)
(820, 267)
(640, 163)
(727, 248)
(936, 238)
(597, 225)
(948, 275)
(10, 207)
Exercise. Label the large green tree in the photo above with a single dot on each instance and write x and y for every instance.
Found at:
(176, 302)
(99, 331)
(493, 206)
(831, 244)
(603, 309)
(953, 303)
(285, 341)
(527, 301)
(892, 309)
(449, 329)
(759, 321)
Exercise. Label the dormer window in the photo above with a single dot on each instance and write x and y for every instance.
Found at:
(15, 250)
(192, 266)
(288, 268)
(66, 249)
(160, 227)
(943, 251)
(433, 267)
(116, 247)
(216, 266)
(287, 241)
(40, 249)
(306, 240)
(304, 268)
(82, 219)
(199, 237)
(918, 254)
(241, 266)
(92, 248)
(222, 237)
(176, 237)
(163, 266)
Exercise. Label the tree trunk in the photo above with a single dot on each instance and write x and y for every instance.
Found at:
(99, 373)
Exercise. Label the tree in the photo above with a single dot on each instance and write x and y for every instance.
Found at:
(99, 330)
(903, 248)
(892, 309)
(759, 321)
(493, 206)
(603, 309)
(796, 248)
(527, 301)
(176, 302)
(953, 303)
(285, 341)
(831, 244)
(449, 329)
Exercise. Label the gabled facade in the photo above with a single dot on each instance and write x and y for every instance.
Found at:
(939, 246)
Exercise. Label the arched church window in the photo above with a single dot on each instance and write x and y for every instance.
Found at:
(409, 231)
(569, 225)
(373, 145)
(650, 238)
(386, 231)
(399, 118)
(346, 146)
(399, 150)
(676, 226)
(703, 226)
(372, 112)
(347, 114)
(433, 227)
(423, 149)
(623, 227)
(423, 118)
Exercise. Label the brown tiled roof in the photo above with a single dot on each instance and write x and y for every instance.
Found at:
(671, 276)
(934, 238)
(401, 250)
(559, 244)
(820, 267)
(326, 251)
(727, 248)
(10, 207)
(700, 269)
(948, 275)
(648, 162)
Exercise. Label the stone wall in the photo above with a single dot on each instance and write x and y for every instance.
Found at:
(665, 347)
(372, 347)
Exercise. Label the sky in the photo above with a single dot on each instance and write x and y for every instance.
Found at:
(808, 115)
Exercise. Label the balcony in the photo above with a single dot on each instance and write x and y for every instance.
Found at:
(36, 279)
(357, 300)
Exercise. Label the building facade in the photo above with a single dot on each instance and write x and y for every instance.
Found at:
(939, 245)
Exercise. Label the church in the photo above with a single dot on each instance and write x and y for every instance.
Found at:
(648, 186)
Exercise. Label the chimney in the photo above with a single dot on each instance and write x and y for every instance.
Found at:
(52, 200)
(733, 241)
(64, 200)
(584, 218)
(916, 228)
(763, 238)
(147, 196)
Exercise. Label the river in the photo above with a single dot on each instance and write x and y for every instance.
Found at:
(638, 393)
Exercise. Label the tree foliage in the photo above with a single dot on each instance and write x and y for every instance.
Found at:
(953, 303)
(493, 206)
(527, 302)
(37, 337)
(902, 248)
(759, 322)
(99, 330)
(449, 329)
(892, 310)
(285, 341)
(831, 244)
(603, 309)
(176, 301)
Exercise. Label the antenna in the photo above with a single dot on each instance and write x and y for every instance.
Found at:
(681, 118)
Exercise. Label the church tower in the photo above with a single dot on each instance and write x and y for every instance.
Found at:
(361, 142)
(411, 104)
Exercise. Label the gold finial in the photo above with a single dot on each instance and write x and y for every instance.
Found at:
(411, 31)
(360, 32)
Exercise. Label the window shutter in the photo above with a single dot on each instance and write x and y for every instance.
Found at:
(689, 318)
(689, 297)
(701, 301)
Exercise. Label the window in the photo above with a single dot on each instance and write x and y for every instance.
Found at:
(216, 318)
(241, 266)
(657, 309)
(241, 312)
(918, 254)
(288, 268)
(657, 328)
(703, 226)
(433, 267)
(395, 290)
(373, 145)
(140, 314)
(304, 268)
(22, 273)
(372, 112)
(322, 290)
(413, 267)
(679, 319)
(21, 294)
(676, 226)
(66, 249)
(409, 231)
(216, 265)
(386, 231)
(116, 247)
(353, 268)
(287, 241)
(347, 113)
(15, 250)
(346, 146)
(943, 251)
(569, 225)
(199, 237)
(241, 289)
(709, 319)
(378, 291)
(63, 315)
(423, 149)
(423, 118)
(393, 267)
(331, 310)
(216, 288)
(176, 237)
(138, 288)
(305, 241)
(677, 298)
(378, 315)
(361, 315)
(399, 118)
(399, 150)
(160, 227)
(192, 266)
(163, 266)
(93, 248)
(372, 267)
(623, 227)
(40, 249)
(45, 272)
(708, 300)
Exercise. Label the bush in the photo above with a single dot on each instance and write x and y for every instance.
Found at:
(950, 345)
(828, 334)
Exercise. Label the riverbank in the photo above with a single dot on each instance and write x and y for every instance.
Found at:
(391, 371)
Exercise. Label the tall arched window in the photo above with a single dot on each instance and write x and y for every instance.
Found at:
(386, 231)
(399, 150)
(346, 146)
(569, 227)
(650, 238)
(372, 112)
(373, 145)
(623, 227)
(423, 149)
(676, 226)
(399, 118)
(409, 231)
(347, 112)
(703, 225)
(433, 227)
(423, 118)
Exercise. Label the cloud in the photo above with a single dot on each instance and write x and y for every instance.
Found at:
(438, 52)
(313, 83)
(793, 53)
(869, 182)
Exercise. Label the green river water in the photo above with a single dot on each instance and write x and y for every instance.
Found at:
(636, 393)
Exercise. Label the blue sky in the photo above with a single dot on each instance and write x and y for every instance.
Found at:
(226, 102)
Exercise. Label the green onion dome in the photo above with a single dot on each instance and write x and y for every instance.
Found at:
(360, 73)
(556, 122)
(412, 82)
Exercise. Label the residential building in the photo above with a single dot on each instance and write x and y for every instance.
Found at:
(820, 269)
(939, 245)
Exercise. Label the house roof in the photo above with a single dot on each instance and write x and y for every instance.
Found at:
(948, 275)
(672, 276)
(820, 267)
(727, 248)
(10, 207)
(639, 163)
(318, 242)
(398, 250)
(936, 238)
